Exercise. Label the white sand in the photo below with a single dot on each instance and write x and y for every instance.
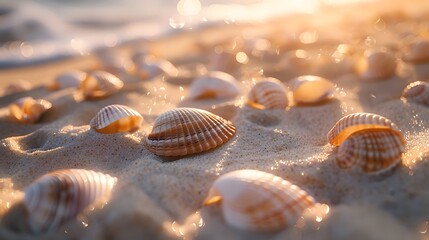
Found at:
(154, 196)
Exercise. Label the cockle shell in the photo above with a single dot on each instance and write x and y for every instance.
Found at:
(268, 94)
(258, 201)
(417, 52)
(214, 85)
(355, 122)
(59, 196)
(417, 92)
(99, 84)
(379, 64)
(28, 110)
(311, 89)
(18, 86)
(184, 131)
(71, 79)
(373, 150)
(116, 118)
(151, 67)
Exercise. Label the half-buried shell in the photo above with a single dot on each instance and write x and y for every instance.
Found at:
(60, 196)
(268, 94)
(184, 131)
(71, 79)
(152, 67)
(28, 110)
(214, 85)
(258, 201)
(417, 92)
(99, 84)
(311, 89)
(116, 118)
(378, 65)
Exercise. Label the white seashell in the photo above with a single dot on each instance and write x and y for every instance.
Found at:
(116, 118)
(417, 52)
(311, 89)
(99, 84)
(60, 196)
(71, 79)
(417, 92)
(258, 201)
(185, 131)
(28, 110)
(214, 85)
(16, 87)
(152, 67)
(373, 150)
(268, 94)
(379, 64)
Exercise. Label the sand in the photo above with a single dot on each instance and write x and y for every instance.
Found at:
(157, 198)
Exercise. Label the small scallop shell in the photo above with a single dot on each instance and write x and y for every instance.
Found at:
(71, 79)
(28, 110)
(99, 84)
(417, 52)
(116, 118)
(311, 89)
(258, 201)
(417, 92)
(355, 122)
(59, 196)
(214, 85)
(379, 64)
(18, 86)
(152, 67)
(268, 94)
(185, 131)
(374, 151)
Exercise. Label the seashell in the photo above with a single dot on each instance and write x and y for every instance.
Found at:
(379, 64)
(417, 92)
(116, 63)
(214, 85)
(99, 84)
(268, 94)
(258, 201)
(151, 67)
(185, 131)
(311, 89)
(417, 52)
(356, 122)
(16, 87)
(71, 79)
(59, 196)
(28, 110)
(373, 150)
(116, 118)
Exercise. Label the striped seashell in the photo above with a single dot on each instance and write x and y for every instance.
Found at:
(28, 110)
(311, 89)
(214, 85)
(16, 87)
(116, 118)
(71, 79)
(379, 64)
(185, 131)
(417, 52)
(60, 196)
(417, 92)
(356, 122)
(268, 94)
(99, 84)
(258, 201)
(373, 150)
(152, 67)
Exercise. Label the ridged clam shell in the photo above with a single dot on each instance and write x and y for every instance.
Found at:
(355, 122)
(214, 85)
(116, 118)
(152, 67)
(28, 110)
(374, 151)
(18, 86)
(258, 201)
(417, 92)
(184, 131)
(99, 84)
(268, 94)
(71, 79)
(311, 89)
(417, 52)
(59, 196)
(379, 64)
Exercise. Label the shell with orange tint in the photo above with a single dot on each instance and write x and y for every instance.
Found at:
(268, 94)
(214, 84)
(417, 92)
(311, 89)
(378, 65)
(116, 118)
(417, 52)
(28, 110)
(71, 79)
(100, 84)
